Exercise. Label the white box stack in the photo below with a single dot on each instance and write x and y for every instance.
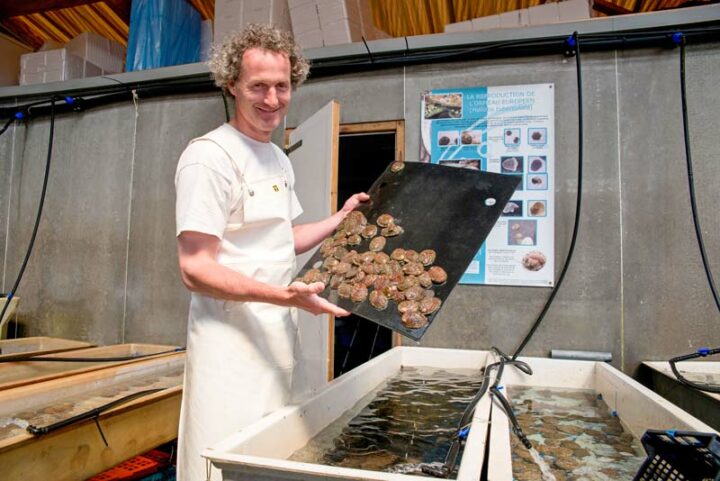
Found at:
(465, 26)
(232, 15)
(54, 66)
(318, 23)
(87, 55)
(206, 39)
(554, 12)
(101, 52)
(571, 10)
(305, 20)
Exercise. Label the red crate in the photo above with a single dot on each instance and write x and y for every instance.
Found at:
(135, 468)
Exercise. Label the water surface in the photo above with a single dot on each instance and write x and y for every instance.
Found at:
(408, 420)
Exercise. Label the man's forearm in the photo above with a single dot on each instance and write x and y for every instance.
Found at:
(215, 280)
(307, 236)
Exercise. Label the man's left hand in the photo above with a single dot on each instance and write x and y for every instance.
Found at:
(354, 201)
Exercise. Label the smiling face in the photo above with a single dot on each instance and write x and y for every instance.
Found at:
(262, 93)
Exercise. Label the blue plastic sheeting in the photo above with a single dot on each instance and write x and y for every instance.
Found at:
(162, 33)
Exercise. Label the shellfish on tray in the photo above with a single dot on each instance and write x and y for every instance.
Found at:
(384, 220)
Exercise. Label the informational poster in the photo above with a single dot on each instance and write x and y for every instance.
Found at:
(508, 130)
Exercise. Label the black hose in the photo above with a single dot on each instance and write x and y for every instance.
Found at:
(40, 358)
(691, 183)
(7, 125)
(12, 292)
(91, 414)
(578, 204)
(698, 234)
(507, 408)
(693, 384)
(448, 466)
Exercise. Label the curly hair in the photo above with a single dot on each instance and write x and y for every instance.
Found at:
(226, 59)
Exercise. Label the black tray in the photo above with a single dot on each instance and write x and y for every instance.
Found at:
(448, 209)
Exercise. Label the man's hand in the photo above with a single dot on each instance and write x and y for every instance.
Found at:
(305, 296)
(354, 201)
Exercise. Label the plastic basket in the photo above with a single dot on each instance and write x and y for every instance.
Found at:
(135, 468)
(680, 456)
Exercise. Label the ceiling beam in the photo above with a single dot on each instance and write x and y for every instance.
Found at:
(27, 7)
(609, 8)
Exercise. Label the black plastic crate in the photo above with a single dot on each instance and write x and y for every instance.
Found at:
(680, 456)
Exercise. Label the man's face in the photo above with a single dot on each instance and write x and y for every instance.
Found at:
(262, 93)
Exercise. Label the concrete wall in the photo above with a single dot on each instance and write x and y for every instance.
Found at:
(104, 267)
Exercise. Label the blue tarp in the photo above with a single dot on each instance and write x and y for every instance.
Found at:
(162, 33)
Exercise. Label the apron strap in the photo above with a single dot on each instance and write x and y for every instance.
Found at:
(234, 165)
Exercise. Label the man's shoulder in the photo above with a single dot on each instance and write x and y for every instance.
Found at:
(207, 152)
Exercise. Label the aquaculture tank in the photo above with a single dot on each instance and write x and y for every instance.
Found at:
(381, 421)
(583, 419)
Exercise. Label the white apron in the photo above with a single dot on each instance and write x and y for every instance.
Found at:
(240, 355)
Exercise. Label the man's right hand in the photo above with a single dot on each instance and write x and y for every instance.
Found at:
(305, 296)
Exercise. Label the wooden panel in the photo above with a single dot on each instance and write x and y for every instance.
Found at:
(40, 395)
(32, 346)
(20, 373)
(78, 452)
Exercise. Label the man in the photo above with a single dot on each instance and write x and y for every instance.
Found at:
(237, 246)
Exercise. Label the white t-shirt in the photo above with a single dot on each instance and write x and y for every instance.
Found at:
(208, 183)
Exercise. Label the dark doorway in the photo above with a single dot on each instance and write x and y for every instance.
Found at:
(362, 158)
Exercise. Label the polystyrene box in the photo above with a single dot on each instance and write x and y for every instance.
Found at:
(106, 54)
(342, 31)
(335, 10)
(305, 18)
(465, 26)
(232, 15)
(543, 14)
(570, 10)
(54, 66)
(310, 39)
(486, 23)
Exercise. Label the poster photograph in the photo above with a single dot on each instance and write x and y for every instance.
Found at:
(508, 130)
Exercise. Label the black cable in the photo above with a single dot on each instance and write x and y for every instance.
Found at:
(448, 466)
(91, 414)
(347, 353)
(693, 384)
(372, 348)
(578, 204)
(505, 404)
(12, 292)
(691, 183)
(41, 358)
(7, 125)
(680, 38)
